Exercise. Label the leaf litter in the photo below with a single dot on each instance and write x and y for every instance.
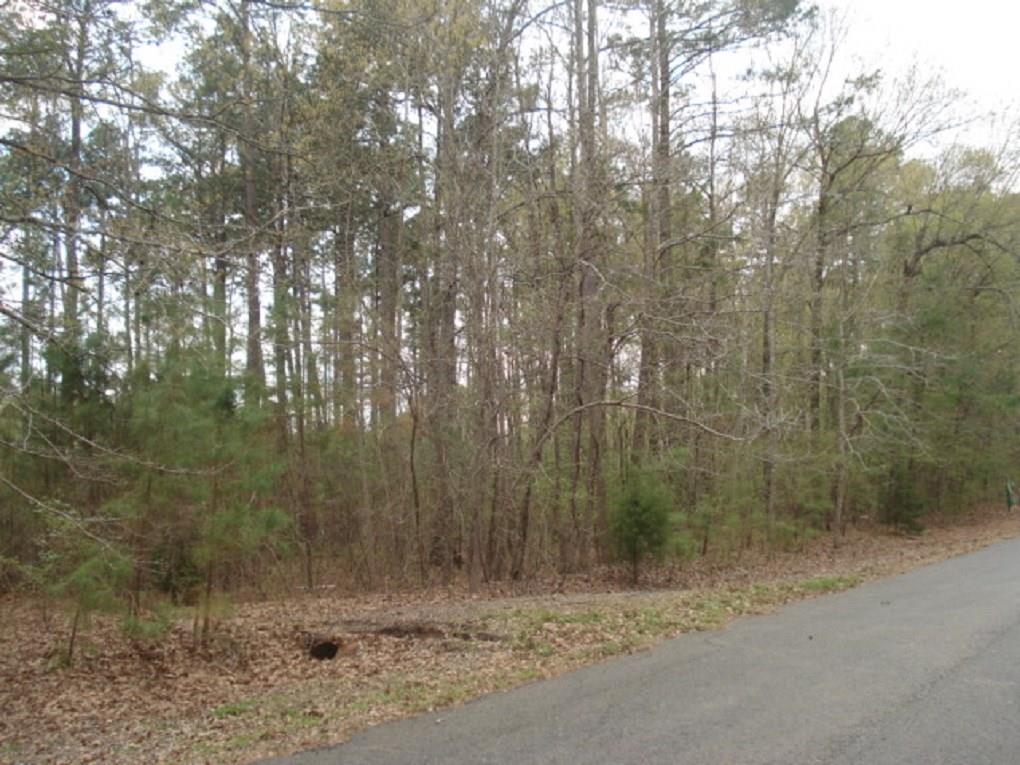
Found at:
(254, 690)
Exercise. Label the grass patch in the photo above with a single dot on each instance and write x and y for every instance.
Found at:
(240, 742)
(299, 718)
(235, 709)
(543, 616)
(606, 650)
(625, 626)
(526, 675)
(653, 621)
(822, 584)
(415, 697)
(541, 648)
(581, 617)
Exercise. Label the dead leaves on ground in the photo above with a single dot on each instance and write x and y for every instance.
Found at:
(254, 690)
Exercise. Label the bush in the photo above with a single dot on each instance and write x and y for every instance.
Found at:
(94, 584)
(151, 628)
(639, 519)
(683, 544)
(903, 507)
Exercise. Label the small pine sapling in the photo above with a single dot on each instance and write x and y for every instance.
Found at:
(639, 521)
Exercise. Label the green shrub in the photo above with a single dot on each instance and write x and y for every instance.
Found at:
(791, 535)
(94, 583)
(151, 627)
(903, 506)
(683, 545)
(639, 519)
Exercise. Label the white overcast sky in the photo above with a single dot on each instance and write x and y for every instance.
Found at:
(975, 43)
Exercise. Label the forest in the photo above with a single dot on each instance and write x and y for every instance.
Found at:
(394, 293)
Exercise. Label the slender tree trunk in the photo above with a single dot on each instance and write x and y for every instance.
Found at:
(657, 224)
(26, 333)
(72, 197)
(254, 369)
(768, 388)
(345, 383)
(280, 327)
(220, 313)
(816, 307)
(388, 291)
(441, 333)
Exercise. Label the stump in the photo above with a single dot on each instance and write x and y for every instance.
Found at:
(323, 650)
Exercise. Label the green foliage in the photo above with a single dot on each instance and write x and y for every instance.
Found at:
(719, 527)
(150, 627)
(187, 512)
(791, 535)
(235, 709)
(684, 544)
(89, 576)
(639, 520)
(704, 522)
(807, 491)
(902, 506)
(823, 584)
(209, 505)
(98, 581)
(229, 536)
(892, 342)
(171, 558)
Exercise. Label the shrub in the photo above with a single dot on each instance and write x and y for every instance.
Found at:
(94, 584)
(903, 506)
(639, 519)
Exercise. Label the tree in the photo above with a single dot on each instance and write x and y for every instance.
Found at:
(413, 288)
(640, 520)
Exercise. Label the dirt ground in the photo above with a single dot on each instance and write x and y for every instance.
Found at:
(254, 690)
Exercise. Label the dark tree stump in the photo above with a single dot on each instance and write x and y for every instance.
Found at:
(323, 649)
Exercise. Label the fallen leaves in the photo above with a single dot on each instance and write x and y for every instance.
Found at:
(254, 691)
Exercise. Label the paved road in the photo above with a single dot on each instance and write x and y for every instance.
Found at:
(922, 669)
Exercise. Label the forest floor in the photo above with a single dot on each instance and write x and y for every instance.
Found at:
(254, 691)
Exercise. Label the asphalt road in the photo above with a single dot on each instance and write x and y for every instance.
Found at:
(920, 669)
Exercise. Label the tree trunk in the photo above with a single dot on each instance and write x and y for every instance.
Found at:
(254, 369)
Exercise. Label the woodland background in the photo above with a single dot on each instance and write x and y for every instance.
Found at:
(394, 292)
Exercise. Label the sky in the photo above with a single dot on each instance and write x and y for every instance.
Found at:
(974, 44)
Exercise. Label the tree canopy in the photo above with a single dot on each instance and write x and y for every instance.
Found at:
(398, 289)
